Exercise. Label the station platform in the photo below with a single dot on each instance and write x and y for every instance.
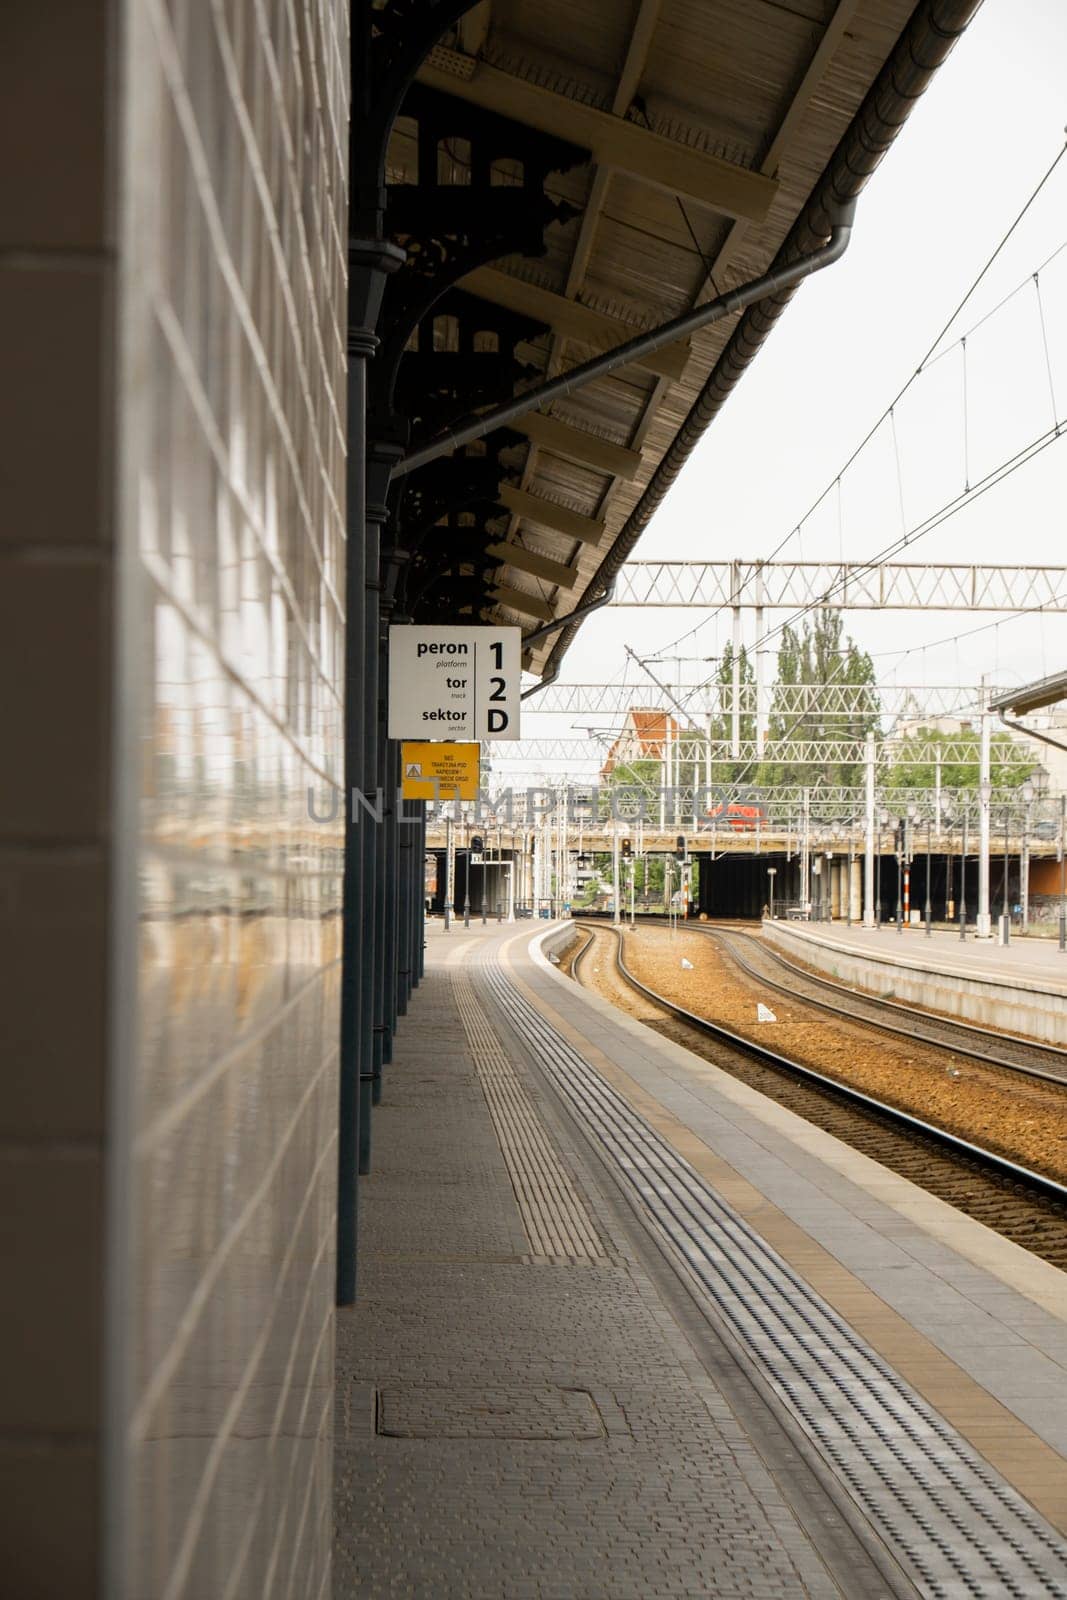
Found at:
(627, 1329)
(1020, 987)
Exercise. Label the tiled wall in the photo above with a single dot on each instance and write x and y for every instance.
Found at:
(231, 414)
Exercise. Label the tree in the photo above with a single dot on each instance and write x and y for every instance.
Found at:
(819, 652)
(911, 768)
(632, 786)
(721, 726)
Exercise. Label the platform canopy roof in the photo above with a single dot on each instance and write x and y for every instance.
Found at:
(704, 132)
(1032, 696)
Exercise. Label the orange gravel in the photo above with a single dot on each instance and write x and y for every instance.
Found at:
(1021, 1118)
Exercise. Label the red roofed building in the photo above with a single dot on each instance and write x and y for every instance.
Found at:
(644, 737)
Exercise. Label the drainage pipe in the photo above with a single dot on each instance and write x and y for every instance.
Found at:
(928, 39)
(777, 281)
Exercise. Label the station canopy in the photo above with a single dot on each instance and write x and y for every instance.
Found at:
(576, 171)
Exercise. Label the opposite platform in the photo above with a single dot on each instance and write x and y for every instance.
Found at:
(1020, 987)
(544, 1392)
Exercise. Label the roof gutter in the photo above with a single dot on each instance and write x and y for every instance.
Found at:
(1009, 722)
(776, 281)
(925, 44)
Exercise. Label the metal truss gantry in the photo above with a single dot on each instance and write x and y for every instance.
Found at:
(592, 751)
(886, 586)
(789, 699)
(741, 585)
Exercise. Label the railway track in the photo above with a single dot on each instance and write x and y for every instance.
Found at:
(1025, 1206)
(987, 1045)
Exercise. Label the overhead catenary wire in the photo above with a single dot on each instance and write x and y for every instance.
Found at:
(997, 475)
(922, 47)
(1041, 610)
(932, 355)
(927, 358)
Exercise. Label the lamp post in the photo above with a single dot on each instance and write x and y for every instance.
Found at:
(1027, 793)
(926, 907)
(467, 890)
(770, 874)
(851, 870)
(983, 928)
(963, 876)
(805, 864)
(898, 834)
(837, 833)
(883, 818)
(828, 904)
(909, 825)
(1005, 915)
(946, 817)
(450, 872)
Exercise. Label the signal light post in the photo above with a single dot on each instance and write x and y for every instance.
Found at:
(628, 855)
(681, 858)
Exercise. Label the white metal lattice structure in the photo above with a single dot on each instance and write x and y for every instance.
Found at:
(888, 586)
(793, 752)
(789, 699)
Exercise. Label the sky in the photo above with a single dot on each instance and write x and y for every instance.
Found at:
(972, 152)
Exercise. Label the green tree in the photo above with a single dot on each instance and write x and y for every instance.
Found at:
(915, 763)
(728, 772)
(819, 652)
(631, 785)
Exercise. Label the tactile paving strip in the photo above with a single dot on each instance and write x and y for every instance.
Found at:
(556, 1221)
(955, 1526)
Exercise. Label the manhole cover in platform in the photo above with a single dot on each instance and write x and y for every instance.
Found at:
(539, 1412)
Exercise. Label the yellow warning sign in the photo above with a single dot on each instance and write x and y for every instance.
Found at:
(437, 771)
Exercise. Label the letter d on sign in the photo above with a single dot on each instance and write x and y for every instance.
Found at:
(497, 721)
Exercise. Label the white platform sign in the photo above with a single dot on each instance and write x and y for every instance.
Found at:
(454, 683)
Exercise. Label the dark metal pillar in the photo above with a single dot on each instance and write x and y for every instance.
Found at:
(381, 457)
(405, 856)
(419, 965)
(370, 827)
(370, 264)
(391, 910)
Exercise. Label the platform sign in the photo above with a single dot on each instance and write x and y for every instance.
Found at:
(436, 771)
(454, 683)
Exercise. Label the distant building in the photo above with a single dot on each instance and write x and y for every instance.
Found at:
(645, 736)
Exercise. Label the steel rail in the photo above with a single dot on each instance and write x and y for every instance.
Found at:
(982, 1055)
(1046, 1186)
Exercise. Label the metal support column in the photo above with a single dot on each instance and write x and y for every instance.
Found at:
(735, 683)
(805, 863)
(371, 829)
(868, 837)
(352, 953)
(983, 925)
(419, 932)
(370, 263)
